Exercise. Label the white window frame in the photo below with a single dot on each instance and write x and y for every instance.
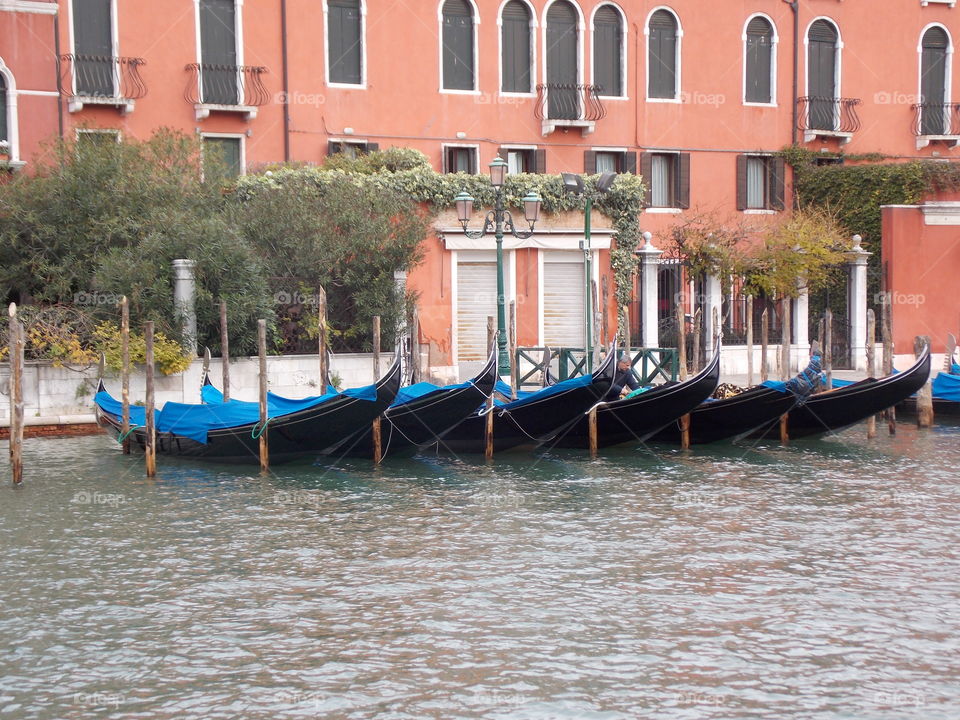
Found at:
(525, 148)
(533, 51)
(678, 98)
(581, 28)
(114, 44)
(624, 49)
(768, 158)
(360, 143)
(362, 85)
(948, 76)
(116, 132)
(236, 136)
(13, 127)
(238, 40)
(476, 51)
(837, 71)
(774, 46)
(443, 155)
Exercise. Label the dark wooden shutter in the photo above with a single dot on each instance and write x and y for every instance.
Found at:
(646, 170)
(4, 136)
(589, 162)
(630, 162)
(933, 77)
(776, 167)
(759, 54)
(662, 58)
(516, 48)
(821, 75)
(218, 52)
(224, 160)
(372, 147)
(741, 182)
(344, 41)
(563, 98)
(457, 45)
(683, 180)
(540, 161)
(333, 147)
(607, 51)
(502, 153)
(93, 68)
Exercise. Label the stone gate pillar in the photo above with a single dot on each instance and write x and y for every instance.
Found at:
(857, 303)
(649, 269)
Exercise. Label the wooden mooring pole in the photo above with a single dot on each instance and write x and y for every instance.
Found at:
(150, 442)
(415, 347)
(749, 340)
(16, 338)
(682, 341)
(322, 339)
(264, 415)
(375, 428)
(786, 340)
(488, 427)
(697, 325)
(512, 348)
(925, 394)
(828, 346)
(224, 351)
(886, 333)
(764, 344)
(125, 373)
(871, 364)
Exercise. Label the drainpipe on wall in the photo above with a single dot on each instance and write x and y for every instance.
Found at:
(56, 49)
(286, 86)
(795, 7)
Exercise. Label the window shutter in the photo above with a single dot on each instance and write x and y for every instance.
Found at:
(457, 41)
(662, 59)
(344, 41)
(741, 182)
(607, 51)
(683, 180)
(3, 109)
(646, 172)
(502, 153)
(371, 147)
(776, 183)
(515, 46)
(759, 52)
(589, 162)
(334, 147)
(540, 161)
(630, 162)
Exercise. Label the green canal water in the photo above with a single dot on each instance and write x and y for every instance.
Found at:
(820, 580)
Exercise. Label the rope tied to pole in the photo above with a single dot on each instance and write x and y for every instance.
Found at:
(256, 431)
(123, 436)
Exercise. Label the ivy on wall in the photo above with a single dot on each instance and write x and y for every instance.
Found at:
(408, 171)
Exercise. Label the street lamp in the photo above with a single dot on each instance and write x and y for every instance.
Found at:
(497, 221)
(573, 183)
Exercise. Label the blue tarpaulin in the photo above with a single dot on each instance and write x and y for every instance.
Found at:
(524, 398)
(418, 390)
(947, 387)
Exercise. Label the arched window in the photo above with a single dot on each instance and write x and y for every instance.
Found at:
(4, 136)
(345, 42)
(563, 51)
(458, 70)
(759, 61)
(822, 46)
(608, 51)
(934, 47)
(515, 47)
(662, 57)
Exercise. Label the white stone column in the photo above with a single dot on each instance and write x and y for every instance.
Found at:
(184, 302)
(713, 298)
(649, 270)
(801, 326)
(857, 305)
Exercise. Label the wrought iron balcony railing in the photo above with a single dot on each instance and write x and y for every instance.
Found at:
(568, 101)
(101, 79)
(938, 119)
(237, 87)
(828, 115)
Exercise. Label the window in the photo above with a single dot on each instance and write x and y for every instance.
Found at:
(758, 65)
(663, 56)
(457, 41)
(4, 132)
(760, 182)
(92, 139)
(93, 64)
(667, 175)
(222, 157)
(457, 158)
(822, 43)
(562, 56)
(345, 42)
(515, 47)
(351, 148)
(218, 53)
(934, 112)
(608, 51)
(524, 160)
(600, 161)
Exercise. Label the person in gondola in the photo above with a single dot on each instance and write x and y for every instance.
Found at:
(623, 379)
(808, 381)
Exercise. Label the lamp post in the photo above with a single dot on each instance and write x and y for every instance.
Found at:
(573, 183)
(499, 220)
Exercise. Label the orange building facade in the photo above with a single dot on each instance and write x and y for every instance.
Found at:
(697, 97)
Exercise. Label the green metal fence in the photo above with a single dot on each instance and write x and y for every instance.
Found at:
(649, 364)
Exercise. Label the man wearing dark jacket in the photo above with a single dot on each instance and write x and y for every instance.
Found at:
(623, 378)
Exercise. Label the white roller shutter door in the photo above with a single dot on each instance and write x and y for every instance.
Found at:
(476, 300)
(563, 304)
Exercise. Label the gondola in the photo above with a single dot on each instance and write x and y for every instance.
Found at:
(840, 408)
(422, 413)
(732, 418)
(532, 419)
(636, 418)
(228, 432)
(946, 397)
